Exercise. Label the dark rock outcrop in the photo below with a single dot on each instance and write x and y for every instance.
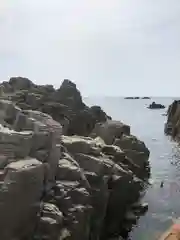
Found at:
(65, 104)
(69, 179)
(172, 126)
(132, 98)
(145, 98)
(137, 98)
(154, 105)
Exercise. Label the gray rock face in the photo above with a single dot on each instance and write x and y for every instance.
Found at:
(65, 104)
(134, 149)
(103, 167)
(110, 130)
(63, 187)
(14, 144)
(26, 175)
(20, 194)
(50, 224)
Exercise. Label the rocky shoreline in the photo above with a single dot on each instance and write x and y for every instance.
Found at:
(67, 171)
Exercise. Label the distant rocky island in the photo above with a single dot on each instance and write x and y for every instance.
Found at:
(137, 98)
(67, 171)
(155, 105)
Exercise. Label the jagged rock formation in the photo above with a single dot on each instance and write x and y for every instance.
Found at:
(65, 104)
(56, 185)
(172, 126)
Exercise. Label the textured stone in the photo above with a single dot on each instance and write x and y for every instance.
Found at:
(50, 224)
(110, 130)
(15, 144)
(20, 194)
(63, 187)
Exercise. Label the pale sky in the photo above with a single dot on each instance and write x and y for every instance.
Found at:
(108, 47)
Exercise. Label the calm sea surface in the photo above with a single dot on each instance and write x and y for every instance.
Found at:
(148, 125)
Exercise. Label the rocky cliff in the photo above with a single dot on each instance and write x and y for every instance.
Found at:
(67, 171)
(172, 126)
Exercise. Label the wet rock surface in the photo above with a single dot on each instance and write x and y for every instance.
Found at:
(67, 171)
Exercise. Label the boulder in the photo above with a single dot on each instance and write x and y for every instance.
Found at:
(136, 153)
(83, 122)
(98, 114)
(110, 130)
(77, 144)
(132, 143)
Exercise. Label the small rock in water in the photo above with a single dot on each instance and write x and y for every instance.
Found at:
(162, 184)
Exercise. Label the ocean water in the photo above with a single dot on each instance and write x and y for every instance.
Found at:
(148, 125)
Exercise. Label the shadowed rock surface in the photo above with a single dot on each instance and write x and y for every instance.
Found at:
(67, 171)
(172, 126)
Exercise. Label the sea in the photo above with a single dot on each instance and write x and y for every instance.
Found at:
(148, 125)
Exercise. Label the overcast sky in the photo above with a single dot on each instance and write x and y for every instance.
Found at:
(108, 47)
